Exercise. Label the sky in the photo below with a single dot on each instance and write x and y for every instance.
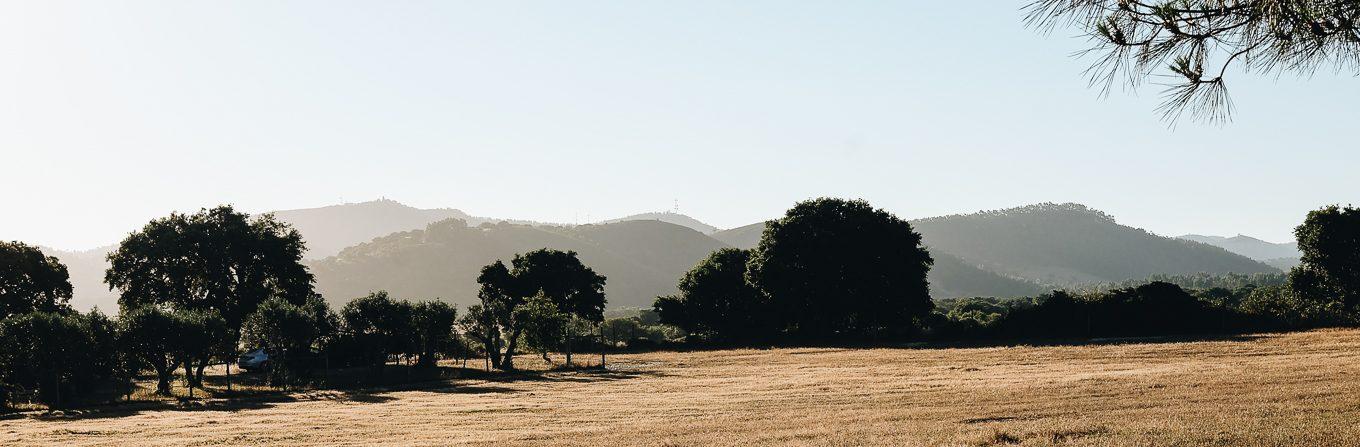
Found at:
(114, 113)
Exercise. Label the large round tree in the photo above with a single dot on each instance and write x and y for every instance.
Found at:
(834, 267)
(217, 259)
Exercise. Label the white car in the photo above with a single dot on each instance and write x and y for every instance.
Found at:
(253, 360)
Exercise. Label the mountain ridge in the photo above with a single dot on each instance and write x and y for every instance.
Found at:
(989, 253)
(1249, 246)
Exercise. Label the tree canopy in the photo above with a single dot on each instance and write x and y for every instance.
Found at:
(382, 325)
(433, 323)
(216, 259)
(1197, 42)
(558, 276)
(716, 300)
(838, 267)
(288, 331)
(53, 351)
(31, 281)
(151, 336)
(1329, 271)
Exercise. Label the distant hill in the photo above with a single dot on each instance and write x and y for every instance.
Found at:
(641, 259)
(419, 253)
(329, 229)
(1285, 263)
(86, 268)
(1252, 247)
(742, 237)
(952, 277)
(1064, 244)
(669, 217)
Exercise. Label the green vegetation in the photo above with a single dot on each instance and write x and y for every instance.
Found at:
(1329, 272)
(60, 355)
(716, 301)
(834, 267)
(829, 269)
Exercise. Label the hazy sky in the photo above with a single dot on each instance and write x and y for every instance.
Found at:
(112, 113)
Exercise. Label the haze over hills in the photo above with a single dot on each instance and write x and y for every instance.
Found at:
(1284, 255)
(669, 217)
(418, 253)
(641, 259)
(1063, 244)
(746, 236)
(329, 229)
(1049, 245)
(86, 268)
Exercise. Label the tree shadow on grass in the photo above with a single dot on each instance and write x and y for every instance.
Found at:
(378, 395)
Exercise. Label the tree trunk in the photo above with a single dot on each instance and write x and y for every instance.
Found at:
(198, 375)
(51, 390)
(508, 359)
(493, 350)
(163, 378)
(570, 333)
(189, 376)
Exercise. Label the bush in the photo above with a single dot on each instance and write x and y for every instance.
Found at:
(378, 327)
(289, 332)
(61, 356)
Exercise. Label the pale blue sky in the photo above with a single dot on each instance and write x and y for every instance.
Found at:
(112, 113)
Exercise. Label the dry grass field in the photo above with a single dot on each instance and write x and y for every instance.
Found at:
(1289, 389)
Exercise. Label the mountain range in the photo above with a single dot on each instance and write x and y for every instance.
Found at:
(427, 253)
(1284, 255)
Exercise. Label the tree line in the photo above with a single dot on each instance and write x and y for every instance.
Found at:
(837, 270)
(199, 289)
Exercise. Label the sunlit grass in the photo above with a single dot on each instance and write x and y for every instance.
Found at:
(1287, 389)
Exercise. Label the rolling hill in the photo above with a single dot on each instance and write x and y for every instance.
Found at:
(1049, 245)
(86, 268)
(1063, 244)
(329, 229)
(669, 217)
(1283, 255)
(741, 237)
(418, 253)
(641, 259)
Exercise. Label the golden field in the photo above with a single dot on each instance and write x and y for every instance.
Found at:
(1276, 389)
